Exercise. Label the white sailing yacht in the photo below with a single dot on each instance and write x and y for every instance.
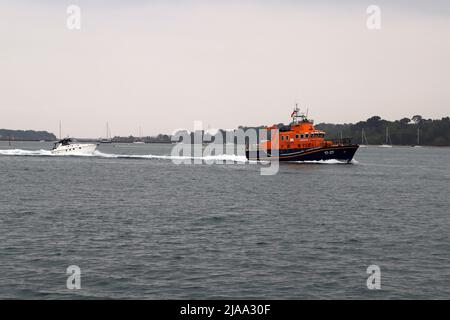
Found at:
(140, 141)
(108, 135)
(388, 143)
(418, 139)
(364, 143)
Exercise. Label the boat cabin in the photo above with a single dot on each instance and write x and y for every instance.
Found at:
(62, 142)
(299, 134)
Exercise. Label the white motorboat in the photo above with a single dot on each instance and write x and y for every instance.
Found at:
(70, 146)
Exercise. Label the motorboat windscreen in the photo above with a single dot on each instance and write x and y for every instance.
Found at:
(63, 142)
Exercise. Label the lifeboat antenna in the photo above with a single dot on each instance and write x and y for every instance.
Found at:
(294, 114)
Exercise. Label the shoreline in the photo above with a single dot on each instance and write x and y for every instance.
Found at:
(120, 142)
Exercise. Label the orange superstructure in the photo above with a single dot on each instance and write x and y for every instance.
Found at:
(300, 134)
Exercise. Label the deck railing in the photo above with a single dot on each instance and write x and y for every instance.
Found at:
(342, 141)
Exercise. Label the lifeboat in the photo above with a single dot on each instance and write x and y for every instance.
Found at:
(300, 141)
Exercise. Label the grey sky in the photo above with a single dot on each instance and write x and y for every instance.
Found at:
(162, 65)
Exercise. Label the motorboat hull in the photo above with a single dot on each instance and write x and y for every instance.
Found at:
(75, 149)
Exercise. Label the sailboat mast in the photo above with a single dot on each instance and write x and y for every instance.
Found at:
(60, 136)
(418, 136)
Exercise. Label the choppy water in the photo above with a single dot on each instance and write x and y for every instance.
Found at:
(140, 226)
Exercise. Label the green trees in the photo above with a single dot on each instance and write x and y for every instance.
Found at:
(402, 132)
(31, 135)
(417, 119)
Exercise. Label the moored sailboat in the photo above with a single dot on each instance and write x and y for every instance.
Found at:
(418, 139)
(364, 143)
(140, 141)
(388, 143)
(108, 135)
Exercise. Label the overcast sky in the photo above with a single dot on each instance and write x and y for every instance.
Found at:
(163, 64)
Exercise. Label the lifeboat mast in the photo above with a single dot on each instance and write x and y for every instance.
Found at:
(297, 114)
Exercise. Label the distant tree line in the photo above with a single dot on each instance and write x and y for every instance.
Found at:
(26, 135)
(401, 132)
(160, 138)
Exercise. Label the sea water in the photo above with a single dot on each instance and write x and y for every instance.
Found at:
(139, 226)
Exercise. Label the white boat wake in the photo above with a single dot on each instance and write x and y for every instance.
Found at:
(20, 152)
(224, 157)
(98, 154)
(331, 161)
